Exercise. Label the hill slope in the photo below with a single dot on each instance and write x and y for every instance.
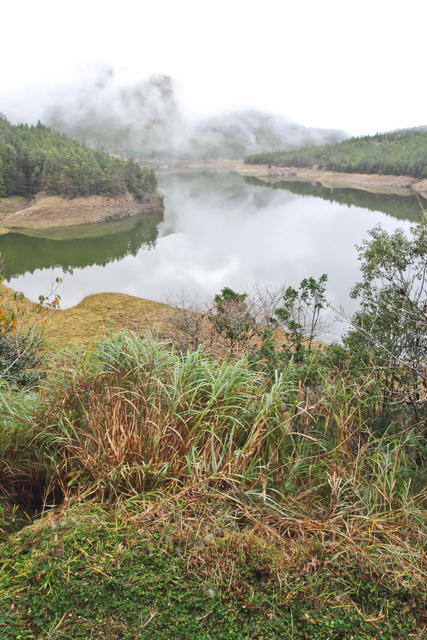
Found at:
(402, 152)
(38, 158)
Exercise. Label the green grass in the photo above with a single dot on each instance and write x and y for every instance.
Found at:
(197, 565)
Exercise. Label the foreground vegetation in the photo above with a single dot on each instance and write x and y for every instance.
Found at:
(401, 153)
(38, 158)
(233, 480)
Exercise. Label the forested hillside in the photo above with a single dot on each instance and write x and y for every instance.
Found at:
(38, 158)
(402, 152)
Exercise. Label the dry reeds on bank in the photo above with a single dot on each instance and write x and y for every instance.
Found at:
(133, 415)
(135, 424)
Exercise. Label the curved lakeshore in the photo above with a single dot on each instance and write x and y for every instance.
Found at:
(374, 183)
(45, 211)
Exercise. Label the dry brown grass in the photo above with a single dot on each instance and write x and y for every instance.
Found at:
(91, 319)
(10, 205)
(98, 314)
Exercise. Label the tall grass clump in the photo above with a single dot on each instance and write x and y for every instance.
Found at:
(25, 471)
(133, 415)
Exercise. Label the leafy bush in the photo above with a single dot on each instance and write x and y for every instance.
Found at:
(20, 359)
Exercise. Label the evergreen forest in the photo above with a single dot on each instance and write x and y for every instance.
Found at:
(38, 158)
(401, 153)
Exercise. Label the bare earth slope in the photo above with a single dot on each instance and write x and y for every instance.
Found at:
(374, 183)
(53, 211)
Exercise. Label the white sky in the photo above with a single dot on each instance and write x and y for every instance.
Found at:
(357, 66)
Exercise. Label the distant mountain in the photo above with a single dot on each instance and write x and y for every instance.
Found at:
(239, 133)
(141, 120)
(145, 121)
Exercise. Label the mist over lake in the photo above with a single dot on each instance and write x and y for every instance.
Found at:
(217, 230)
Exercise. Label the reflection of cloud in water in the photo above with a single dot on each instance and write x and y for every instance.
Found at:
(215, 241)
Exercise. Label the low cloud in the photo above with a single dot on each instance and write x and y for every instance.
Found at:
(146, 120)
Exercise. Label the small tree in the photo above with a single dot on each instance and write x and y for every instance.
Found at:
(392, 320)
(299, 317)
(287, 340)
(231, 317)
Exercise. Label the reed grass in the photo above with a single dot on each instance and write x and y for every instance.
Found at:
(133, 415)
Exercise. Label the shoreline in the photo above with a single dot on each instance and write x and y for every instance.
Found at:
(374, 183)
(43, 211)
(48, 212)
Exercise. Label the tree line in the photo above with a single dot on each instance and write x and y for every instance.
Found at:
(401, 152)
(38, 158)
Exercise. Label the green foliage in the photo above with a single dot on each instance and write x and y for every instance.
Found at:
(156, 418)
(300, 314)
(287, 345)
(34, 159)
(231, 317)
(21, 336)
(133, 416)
(20, 343)
(23, 467)
(389, 330)
(20, 358)
(402, 152)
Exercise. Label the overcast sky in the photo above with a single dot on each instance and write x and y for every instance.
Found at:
(357, 66)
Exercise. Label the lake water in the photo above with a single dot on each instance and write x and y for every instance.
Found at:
(217, 230)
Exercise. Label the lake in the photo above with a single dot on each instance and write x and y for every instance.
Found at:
(217, 230)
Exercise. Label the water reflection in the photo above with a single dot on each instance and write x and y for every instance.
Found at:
(400, 207)
(218, 230)
(78, 247)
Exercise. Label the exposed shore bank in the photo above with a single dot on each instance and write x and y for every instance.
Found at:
(374, 183)
(44, 211)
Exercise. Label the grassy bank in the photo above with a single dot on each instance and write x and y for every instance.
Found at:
(198, 565)
(91, 319)
(197, 498)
